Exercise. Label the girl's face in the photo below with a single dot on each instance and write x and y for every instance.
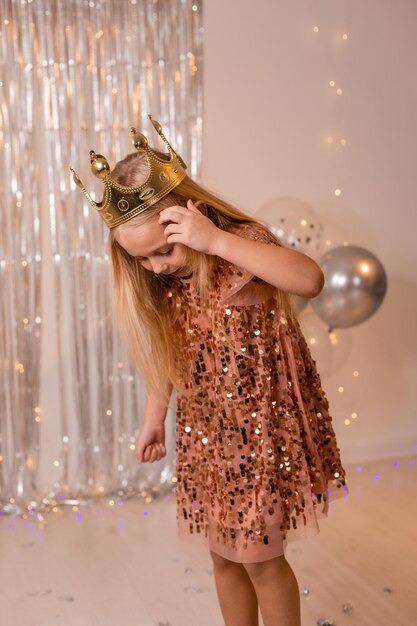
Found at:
(148, 243)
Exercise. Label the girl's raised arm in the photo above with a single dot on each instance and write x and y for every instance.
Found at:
(289, 270)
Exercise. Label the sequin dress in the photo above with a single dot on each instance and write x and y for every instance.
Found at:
(257, 461)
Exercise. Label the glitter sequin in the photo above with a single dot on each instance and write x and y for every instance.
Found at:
(257, 457)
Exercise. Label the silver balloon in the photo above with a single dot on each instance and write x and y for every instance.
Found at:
(295, 223)
(355, 286)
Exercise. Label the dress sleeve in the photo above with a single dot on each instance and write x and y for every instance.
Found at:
(237, 285)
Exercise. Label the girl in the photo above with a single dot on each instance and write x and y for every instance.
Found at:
(204, 302)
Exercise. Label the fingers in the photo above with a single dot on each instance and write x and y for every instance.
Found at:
(154, 452)
(161, 450)
(176, 238)
(147, 453)
(172, 229)
(172, 214)
(192, 206)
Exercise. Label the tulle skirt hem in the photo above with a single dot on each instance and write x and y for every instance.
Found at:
(248, 551)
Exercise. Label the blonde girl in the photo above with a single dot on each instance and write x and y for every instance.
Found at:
(203, 293)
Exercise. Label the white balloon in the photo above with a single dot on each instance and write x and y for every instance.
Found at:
(295, 223)
(334, 235)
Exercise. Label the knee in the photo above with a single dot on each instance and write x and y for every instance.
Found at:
(221, 563)
(263, 569)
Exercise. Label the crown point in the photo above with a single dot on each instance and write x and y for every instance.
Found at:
(76, 179)
(139, 141)
(100, 166)
(157, 126)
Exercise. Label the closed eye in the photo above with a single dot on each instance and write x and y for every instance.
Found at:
(166, 252)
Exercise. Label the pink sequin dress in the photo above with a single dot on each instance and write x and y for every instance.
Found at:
(257, 457)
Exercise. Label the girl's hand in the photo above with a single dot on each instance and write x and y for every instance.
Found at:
(190, 227)
(150, 444)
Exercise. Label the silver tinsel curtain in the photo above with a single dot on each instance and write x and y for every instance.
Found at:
(75, 76)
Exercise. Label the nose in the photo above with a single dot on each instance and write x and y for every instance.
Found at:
(157, 268)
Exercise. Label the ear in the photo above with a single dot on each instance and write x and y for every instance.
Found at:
(197, 204)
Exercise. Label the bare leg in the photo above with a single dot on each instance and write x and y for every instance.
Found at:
(277, 591)
(237, 597)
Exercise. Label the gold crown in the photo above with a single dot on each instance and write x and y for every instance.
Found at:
(119, 203)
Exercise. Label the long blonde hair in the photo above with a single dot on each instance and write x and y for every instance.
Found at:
(141, 301)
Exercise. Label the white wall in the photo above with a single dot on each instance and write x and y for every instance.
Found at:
(268, 112)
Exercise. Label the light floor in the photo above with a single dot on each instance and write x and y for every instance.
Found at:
(118, 567)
